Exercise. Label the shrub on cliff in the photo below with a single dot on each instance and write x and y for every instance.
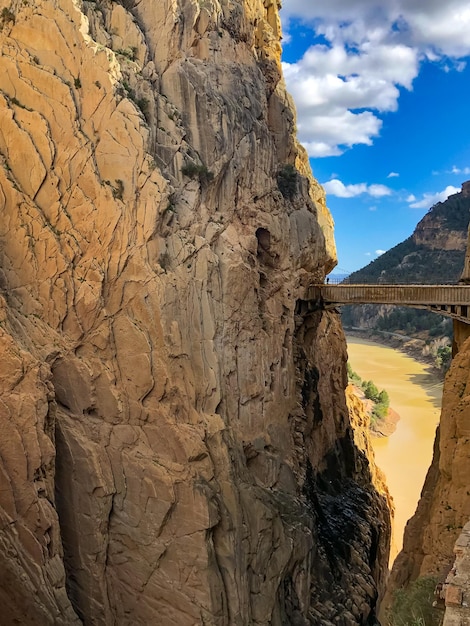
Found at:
(370, 390)
(353, 376)
(196, 170)
(443, 358)
(413, 606)
(287, 181)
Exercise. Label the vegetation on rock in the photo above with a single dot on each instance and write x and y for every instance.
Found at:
(6, 16)
(380, 399)
(287, 181)
(196, 170)
(413, 606)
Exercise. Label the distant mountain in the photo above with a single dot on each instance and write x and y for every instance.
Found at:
(434, 253)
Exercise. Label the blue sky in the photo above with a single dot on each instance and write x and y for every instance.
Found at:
(382, 92)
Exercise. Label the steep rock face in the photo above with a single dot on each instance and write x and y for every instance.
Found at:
(177, 443)
(360, 421)
(456, 589)
(433, 232)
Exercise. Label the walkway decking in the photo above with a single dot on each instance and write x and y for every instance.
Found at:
(450, 300)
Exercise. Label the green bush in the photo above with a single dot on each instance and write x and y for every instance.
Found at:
(444, 357)
(380, 399)
(143, 105)
(370, 390)
(379, 411)
(412, 606)
(383, 398)
(287, 181)
(196, 170)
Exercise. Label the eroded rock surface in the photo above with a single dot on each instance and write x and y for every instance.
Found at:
(456, 589)
(176, 445)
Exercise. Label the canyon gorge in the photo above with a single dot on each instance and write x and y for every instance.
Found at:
(178, 444)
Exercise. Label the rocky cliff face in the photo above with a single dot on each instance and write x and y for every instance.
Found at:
(444, 230)
(176, 446)
(456, 588)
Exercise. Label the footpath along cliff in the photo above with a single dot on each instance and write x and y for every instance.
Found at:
(176, 446)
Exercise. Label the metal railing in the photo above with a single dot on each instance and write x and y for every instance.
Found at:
(452, 300)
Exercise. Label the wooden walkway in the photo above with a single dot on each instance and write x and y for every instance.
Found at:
(450, 300)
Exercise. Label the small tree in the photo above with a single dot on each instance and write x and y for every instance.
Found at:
(195, 170)
(288, 181)
(370, 390)
(352, 375)
(444, 357)
(383, 398)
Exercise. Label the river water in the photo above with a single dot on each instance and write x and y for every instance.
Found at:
(415, 394)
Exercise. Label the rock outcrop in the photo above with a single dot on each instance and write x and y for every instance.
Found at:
(456, 589)
(441, 229)
(176, 446)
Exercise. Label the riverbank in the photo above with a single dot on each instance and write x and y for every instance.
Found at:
(383, 426)
(386, 426)
(412, 346)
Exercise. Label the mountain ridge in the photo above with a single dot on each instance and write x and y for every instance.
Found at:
(441, 235)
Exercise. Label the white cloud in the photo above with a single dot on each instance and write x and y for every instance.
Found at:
(411, 198)
(444, 28)
(430, 199)
(458, 170)
(393, 175)
(327, 134)
(441, 28)
(370, 49)
(337, 188)
(378, 191)
(331, 89)
(379, 252)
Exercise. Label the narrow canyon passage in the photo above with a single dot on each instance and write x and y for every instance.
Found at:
(415, 395)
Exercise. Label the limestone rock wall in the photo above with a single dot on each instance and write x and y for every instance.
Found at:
(176, 446)
(456, 589)
(433, 233)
